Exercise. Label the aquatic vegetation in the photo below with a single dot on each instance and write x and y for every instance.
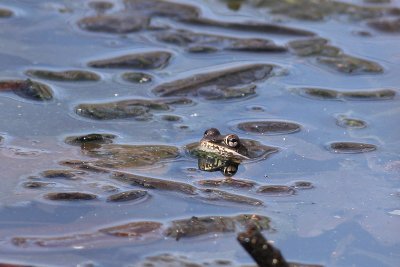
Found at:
(220, 84)
(28, 89)
(145, 60)
(61, 174)
(218, 195)
(202, 42)
(269, 127)
(66, 76)
(139, 109)
(155, 183)
(302, 185)
(137, 77)
(130, 156)
(276, 190)
(332, 56)
(5, 13)
(353, 123)
(228, 182)
(351, 147)
(331, 94)
(386, 25)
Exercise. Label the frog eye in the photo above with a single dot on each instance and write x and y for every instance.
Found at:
(232, 140)
(212, 132)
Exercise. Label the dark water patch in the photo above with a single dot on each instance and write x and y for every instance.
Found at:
(276, 190)
(61, 174)
(220, 84)
(137, 77)
(130, 156)
(219, 195)
(332, 56)
(114, 23)
(228, 182)
(351, 147)
(321, 9)
(331, 94)
(353, 123)
(202, 42)
(131, 195)
(144, 60)
(302, 185)
(65, 76)
(36, 184)
(101, 6)
(269, 127)
(4, 264)
(27, 89)
(5, 13)
(138, 109)
(250, 26)
(93, 138)
(386, 25)
(155, 183)
(69, 196)
(171, 118)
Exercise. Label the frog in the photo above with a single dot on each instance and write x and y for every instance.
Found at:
(225, 146)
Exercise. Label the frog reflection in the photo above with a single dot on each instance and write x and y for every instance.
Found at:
(211, 164)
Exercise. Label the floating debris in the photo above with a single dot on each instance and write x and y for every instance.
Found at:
(269, 127)
(100, 6)
(69, 196)
(28, 89)
(263, 253)
(351, 147)
(64, 76)
(128, 196)
(145, 60)
(215, 83)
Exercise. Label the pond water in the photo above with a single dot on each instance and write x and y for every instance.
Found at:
(101, 101)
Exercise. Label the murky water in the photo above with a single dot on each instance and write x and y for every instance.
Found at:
(315, 83)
